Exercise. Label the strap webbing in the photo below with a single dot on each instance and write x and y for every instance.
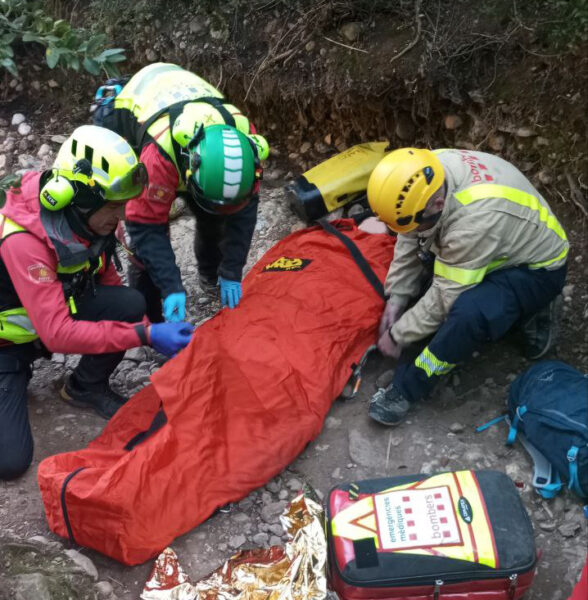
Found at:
(357, 256)
(174, 111)
(159, 420)
(366, 553)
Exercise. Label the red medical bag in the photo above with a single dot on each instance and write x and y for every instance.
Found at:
(452, 536)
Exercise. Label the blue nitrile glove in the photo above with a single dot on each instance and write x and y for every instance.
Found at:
(230, 292)
(174, 307)
(170, 338)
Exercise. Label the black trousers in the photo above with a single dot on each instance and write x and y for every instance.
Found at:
(111, 303)
(210, 232)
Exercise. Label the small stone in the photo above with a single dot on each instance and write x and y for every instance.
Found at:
(196, 26)
(83, 562)
(525, 132)
(24, 129)
(240, 518)
(294, 484)
(58, 139)
(547, 525)
(276, 529)
(332, 422)
(58, 358)
(104, 589)
(32, 585)
(283, 495)
(569, 529)
(273, 486)
(52, 83)
(2, 161)
(544, 177)
(151, 55)
(310, 46)
(351, 31)
(236, 541)
(18, 118)
(385, 379)
(496, 142)
(260, 539)
(453, 122)
(44, 150)
(336, 474)
(568, 290)
(26, 161)
(275, 540)
(305, 147)
(271, 512)
(456, 428)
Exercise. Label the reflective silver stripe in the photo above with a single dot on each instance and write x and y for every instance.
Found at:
(21, 321)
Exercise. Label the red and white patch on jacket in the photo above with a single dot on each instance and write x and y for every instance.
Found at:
(40, 273)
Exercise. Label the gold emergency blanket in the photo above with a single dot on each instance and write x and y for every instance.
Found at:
(296, 572)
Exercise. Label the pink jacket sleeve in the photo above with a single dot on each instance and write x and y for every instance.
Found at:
(32, 269)
(153, 205)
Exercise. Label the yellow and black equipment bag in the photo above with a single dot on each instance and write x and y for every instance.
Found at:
(336, 182)
(458, 535)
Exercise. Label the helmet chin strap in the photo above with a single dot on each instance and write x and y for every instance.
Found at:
(79, 223)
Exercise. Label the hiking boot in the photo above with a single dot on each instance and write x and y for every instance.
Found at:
(388, 406)
(541, 329)
(105, 401)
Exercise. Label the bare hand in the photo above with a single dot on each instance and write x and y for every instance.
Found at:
(387, 346)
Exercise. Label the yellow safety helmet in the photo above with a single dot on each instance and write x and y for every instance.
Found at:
(101, 162)
(401, 185)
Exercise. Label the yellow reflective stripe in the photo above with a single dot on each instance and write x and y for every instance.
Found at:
(427, 361)
(459, 274)
(490, 190)
(496, 264)
(80, 267)
(72, 305)
(546, 263)
(16, 327)
(9, 227)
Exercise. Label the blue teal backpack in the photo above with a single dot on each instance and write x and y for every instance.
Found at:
(548, 405)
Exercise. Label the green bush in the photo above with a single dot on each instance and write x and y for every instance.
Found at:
(23, 21)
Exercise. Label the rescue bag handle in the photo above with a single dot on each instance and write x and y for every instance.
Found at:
(357, 256)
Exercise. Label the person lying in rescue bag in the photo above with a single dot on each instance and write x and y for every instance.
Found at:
(496, 252)
(193, 143)
(59, 290)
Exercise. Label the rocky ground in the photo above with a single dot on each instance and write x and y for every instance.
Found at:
(438, 436)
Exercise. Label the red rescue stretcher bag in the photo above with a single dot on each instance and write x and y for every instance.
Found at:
(451, 536)
(235, 407)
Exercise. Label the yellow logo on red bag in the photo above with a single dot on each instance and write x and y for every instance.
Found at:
(287, 264)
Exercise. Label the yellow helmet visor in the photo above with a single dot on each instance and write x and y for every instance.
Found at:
(129, 185)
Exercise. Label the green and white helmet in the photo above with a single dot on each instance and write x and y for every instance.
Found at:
(224, 169)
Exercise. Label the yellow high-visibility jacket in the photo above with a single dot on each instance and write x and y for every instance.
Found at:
(493, 218)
